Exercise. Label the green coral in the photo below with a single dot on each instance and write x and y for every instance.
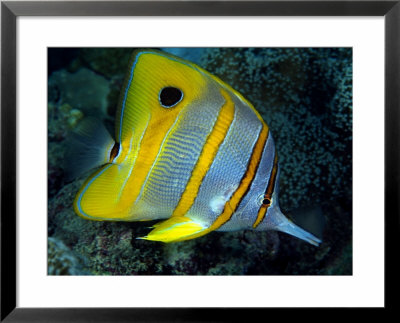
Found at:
(112, 63)
(61, 260)
(106, 61)
(84, 90)
(62, 118)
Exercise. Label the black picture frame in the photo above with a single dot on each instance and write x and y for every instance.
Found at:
(10, 10)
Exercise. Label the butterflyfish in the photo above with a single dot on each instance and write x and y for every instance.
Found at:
(189, 150)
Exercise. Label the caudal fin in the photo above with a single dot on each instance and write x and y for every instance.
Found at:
(88, 147)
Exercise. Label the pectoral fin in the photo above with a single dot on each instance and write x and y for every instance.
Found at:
(176, 229)
(88, 146)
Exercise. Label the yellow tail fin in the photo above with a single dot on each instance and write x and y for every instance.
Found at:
(176, 229)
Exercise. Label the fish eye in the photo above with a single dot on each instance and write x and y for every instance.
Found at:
(170, 96)
(266, 201)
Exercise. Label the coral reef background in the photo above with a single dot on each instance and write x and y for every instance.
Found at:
(303, 94)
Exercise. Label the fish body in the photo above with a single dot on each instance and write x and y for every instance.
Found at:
(188, 150)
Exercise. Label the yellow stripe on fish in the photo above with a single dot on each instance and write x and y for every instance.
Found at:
(267, 198)
(233, 203)
(190, 150)
(210, 148)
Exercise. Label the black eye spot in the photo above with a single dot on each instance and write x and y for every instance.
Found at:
(266, 201)
(170, 96)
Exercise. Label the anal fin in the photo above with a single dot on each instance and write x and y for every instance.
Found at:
(176, 229)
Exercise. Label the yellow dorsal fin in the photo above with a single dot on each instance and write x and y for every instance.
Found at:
(177, 228)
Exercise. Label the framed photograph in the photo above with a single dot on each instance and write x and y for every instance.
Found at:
(155, 151)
